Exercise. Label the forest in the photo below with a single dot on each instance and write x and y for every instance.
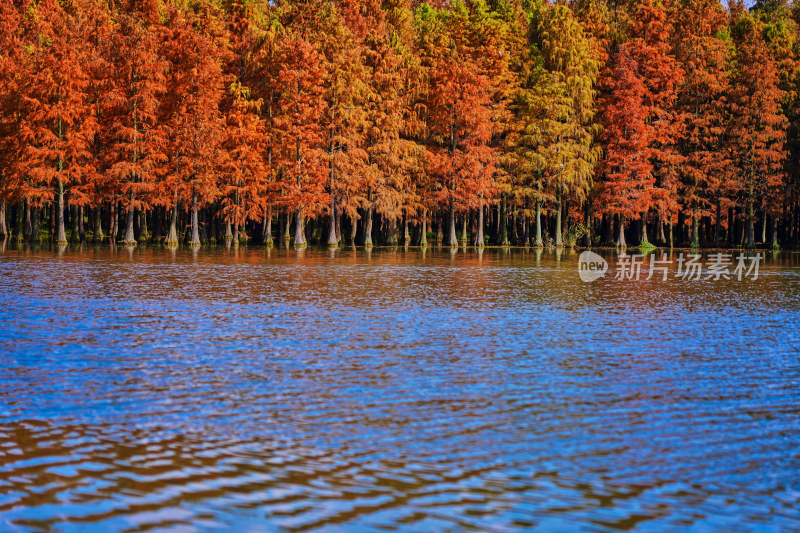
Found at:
(383, 122)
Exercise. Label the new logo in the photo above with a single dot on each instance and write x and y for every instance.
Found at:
(591, 266)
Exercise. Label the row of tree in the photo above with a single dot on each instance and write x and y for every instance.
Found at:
(381, 121)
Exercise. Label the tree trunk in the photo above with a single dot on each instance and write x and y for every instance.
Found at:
(353, 229)
(172, 234)
(20, 220)
(538, 242)
(75, 237)
(439, 229)
(729, 236)
(129, 239)
(299, 229)
(61, 235)
(559, 232)
(228, 230)
(195, 240)
(267, 235)
(391, 231)
(503, 221)
(773, 241)
(287, 236)
(406, 232)
(452, 239)
(751, 236)
(97, 236)
(368, 226)
(143, 233)
(671, 240)
(587, 238)
(3, 225)
(479, 238)
(114, 223)
(643, 230)
(423, 234)
(695, 226)
(27, 231)
(718, 224)
(81, 227)
(764, 228)
(621, 235)
(333, 241)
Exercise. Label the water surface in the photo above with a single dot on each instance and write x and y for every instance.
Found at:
(271, 390)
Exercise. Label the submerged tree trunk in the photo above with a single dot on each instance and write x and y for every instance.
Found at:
(3, 225)
(391, 231)
(27, 231)
(353, 229)
(453, 238)
(172, 234)
(729, 236)
(621, 235)
(299, 229)
(20, 215)
(195, 240)
(751, 236)
(368, 226)
(423, 232)
(559, 232)
(74, 238)
(287, 236)
(538, 242)
(643, 239)
(61, 235)
(773, 241)
(114, 228)
(98, 236)
(267, 231)
(81, 228)
(333, 241)
(158, 224)
(228, 230)
(143, 233)
(129, 239)
(479, 238)
(503, 221)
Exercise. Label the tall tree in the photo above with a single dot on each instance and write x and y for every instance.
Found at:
(701, 47)
(56, 120)
(194, 120)
(627, 184)
(299, 131)
(758, 127)
(566, 131)
(135, 154)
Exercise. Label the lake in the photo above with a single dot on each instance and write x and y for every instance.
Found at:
(275, 390)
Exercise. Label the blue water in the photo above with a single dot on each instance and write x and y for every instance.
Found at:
(394, 390)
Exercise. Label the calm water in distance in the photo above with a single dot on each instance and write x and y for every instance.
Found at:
(274, 390)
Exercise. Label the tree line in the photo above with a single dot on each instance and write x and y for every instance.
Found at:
(503, 122)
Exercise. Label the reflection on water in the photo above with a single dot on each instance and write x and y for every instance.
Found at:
(391, 390)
